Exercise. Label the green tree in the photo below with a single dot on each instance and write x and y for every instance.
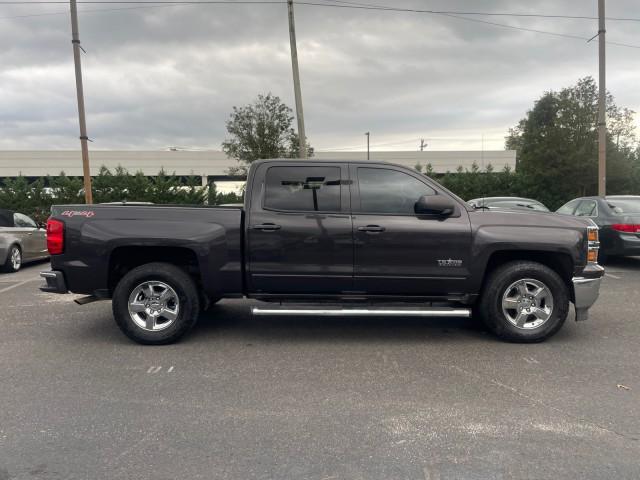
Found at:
(262, 129)
(557, 145)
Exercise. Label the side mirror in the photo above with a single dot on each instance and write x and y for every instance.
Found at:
(434, 205)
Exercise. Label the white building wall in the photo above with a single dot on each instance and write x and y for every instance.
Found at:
(36, 163)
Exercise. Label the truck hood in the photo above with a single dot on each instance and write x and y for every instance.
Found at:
(528, 219)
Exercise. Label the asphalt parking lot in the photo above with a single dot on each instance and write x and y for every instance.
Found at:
(313, 398)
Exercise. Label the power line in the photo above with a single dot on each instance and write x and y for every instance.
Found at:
(349, 5)
(457, 15)
(342, 3)
(492, 14)
(97, 10)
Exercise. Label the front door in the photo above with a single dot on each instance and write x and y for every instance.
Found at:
(397, 252)
(299, 230)
(27, 229)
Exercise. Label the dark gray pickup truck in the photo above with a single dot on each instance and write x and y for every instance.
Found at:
(327, 238)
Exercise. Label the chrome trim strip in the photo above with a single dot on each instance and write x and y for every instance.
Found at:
(427, 312)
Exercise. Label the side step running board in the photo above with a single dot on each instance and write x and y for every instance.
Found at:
(364, 312)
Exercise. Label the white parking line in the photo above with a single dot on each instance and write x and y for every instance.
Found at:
(612, 276)
(18, 284)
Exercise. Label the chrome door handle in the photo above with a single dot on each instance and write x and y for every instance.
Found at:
(266, 227)
(372, 229)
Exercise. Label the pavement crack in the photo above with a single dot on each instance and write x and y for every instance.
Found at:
(496, 383)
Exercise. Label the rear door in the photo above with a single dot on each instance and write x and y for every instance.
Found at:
(397, 252)
(299, 229)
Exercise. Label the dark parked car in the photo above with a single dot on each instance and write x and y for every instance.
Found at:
(617, 216)
(327, 238)
(517, 203)
(21, 241)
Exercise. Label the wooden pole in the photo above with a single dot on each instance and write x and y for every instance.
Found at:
(302, 138)
(75, 40)
(602, 104)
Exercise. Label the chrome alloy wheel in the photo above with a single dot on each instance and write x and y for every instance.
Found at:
(16, 258)
(527, 303)
(153, 306)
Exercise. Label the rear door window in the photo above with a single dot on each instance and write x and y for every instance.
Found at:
(303, 189)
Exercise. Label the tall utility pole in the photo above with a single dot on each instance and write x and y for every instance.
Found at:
(423, 145)
(302, 138)
(88, 196)
(368, 134)
(602, 105)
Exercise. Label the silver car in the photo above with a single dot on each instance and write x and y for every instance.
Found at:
(21, 240)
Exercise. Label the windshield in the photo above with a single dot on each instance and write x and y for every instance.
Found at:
(624, 206)
(517, 204)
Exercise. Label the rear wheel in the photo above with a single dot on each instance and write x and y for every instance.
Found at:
(14, 260)
(156, 304)
(524, 302)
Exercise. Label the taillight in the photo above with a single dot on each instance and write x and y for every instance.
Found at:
(626, 227)
(55, 236)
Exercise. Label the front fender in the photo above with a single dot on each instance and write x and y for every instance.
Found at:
(491, 239)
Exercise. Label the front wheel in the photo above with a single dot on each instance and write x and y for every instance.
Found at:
(156, 304)
(524, 301)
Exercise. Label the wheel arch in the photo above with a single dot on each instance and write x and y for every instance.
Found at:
(125, 258)
(559, 262)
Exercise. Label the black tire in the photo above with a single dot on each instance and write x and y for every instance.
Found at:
(603, 257)
(497, 283)
(176, 278)
(8, 266)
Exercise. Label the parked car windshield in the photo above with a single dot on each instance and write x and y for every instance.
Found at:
(516, 204)
(624, 206)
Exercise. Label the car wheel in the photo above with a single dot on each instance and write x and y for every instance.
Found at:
(524, 302)
(14, 260)
(156, 304)
(603, 257)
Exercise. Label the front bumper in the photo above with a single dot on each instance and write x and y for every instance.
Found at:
(586, 289)
(54, 282)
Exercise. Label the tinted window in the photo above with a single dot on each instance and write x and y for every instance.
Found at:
(303, 189)
(23, 221)
(568, 208)
(587, 208)
(389, 191)
(624, 206)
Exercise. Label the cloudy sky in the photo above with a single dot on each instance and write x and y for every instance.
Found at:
(163, 76)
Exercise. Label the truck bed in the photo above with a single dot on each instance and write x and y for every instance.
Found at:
(100, 240)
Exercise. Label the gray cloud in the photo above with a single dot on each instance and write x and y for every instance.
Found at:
(164, 76)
